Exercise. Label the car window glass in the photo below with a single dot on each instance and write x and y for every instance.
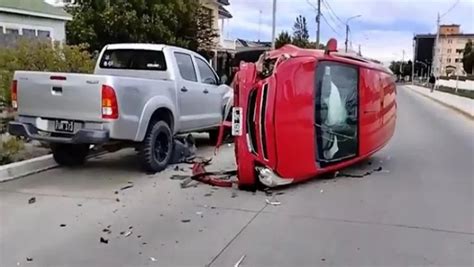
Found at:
(186, 67)
(133, 59)
(207, 75)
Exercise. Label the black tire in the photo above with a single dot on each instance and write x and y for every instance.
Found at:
(70, 155)
(157, 148)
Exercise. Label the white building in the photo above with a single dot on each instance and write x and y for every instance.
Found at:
(32, 18)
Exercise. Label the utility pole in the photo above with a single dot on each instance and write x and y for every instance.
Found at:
(274, 23)
(436, 61)
(318, 22)
(413, 62)
(360, 53)
(259, 24)
(347, 35)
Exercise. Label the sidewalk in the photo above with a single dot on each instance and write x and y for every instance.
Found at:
(463, 105)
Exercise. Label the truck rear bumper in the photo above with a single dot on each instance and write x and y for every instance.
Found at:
(83, 136)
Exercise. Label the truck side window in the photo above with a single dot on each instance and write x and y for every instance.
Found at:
(207, 75)
(186, 66)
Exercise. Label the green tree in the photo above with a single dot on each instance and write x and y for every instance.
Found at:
(100, 22)
(300, 32)
(395, 67)
(282, 39)
(468, 57)
(407, 68)
(206, 34)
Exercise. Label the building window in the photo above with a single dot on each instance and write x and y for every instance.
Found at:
(1, 29)
(44, 34)
(12, 31)
(459, 51)
(29, 32)
(449, 51)
(450, 41)
(448, 60)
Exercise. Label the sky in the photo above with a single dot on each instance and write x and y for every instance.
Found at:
(384, 29)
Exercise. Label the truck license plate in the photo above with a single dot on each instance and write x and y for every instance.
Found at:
(236, 121)
(64, 126)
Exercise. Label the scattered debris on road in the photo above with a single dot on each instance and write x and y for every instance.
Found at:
(179, 177)
(208, 195)
(103, 240)
(127, 234)
(79, 205)
(234, 194)
(273, 203)
(32, 200)
(352, 175)
(185, 220)
(62, 225)
(184, 150)
(153, 259)
(323, 259)
(126, 187)
(321, 191)
(117, 199)
(29, 259)
(106, 230)
(237, 264)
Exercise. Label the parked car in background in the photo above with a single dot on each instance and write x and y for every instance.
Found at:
(139, 95)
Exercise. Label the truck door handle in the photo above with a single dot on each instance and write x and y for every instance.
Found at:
(184, 89)
(205, 91)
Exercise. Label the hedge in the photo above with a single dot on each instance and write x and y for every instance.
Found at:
(40, 56)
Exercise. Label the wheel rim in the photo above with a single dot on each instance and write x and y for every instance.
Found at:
(161, 147)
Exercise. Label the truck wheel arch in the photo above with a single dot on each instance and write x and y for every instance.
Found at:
(158, 108)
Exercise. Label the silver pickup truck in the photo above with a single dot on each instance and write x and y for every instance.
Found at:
(139, 94)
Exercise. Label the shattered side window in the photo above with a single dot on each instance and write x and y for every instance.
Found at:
(336, 116)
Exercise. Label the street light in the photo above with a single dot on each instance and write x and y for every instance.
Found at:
(347, 28)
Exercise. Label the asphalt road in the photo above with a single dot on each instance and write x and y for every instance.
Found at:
(417, 211)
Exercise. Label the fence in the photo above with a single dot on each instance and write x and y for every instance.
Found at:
(456, 82)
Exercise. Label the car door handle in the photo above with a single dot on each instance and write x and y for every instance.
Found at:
(184, 89)
(206, 91)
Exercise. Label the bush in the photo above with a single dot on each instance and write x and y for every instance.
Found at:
(36, 55)
(9, 148)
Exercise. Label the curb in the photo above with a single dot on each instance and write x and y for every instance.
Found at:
(458, 110)
(27, 167)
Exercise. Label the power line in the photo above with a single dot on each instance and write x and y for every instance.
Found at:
(451, 8)
(332, 10)
(332, 17)
(312, 5)
(330, 26)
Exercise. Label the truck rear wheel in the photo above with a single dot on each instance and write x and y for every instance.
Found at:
(157, 148)
(70, 154)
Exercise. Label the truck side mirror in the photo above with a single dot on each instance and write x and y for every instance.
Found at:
(224, 79)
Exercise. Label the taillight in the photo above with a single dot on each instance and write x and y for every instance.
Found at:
(14, 94)
(109, 103)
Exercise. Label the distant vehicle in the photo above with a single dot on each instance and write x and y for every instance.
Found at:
(300, 113)
(139, 94)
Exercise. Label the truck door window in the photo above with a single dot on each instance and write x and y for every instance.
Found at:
(336, 112)
(207, 75)
(186, 66)
(133, 59)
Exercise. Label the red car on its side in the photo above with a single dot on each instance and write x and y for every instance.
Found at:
(299, 113)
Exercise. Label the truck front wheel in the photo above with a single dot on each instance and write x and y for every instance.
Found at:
(156, 149)
(70, 154)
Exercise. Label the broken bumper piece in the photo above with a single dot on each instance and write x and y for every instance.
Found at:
(268, 178)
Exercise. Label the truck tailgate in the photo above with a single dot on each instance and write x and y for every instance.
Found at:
(60, 95)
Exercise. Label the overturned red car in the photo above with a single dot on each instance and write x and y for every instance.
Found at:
(299, 113)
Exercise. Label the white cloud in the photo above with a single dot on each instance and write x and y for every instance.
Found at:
(385, 28)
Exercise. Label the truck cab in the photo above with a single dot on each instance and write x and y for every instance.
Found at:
(299, 113)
